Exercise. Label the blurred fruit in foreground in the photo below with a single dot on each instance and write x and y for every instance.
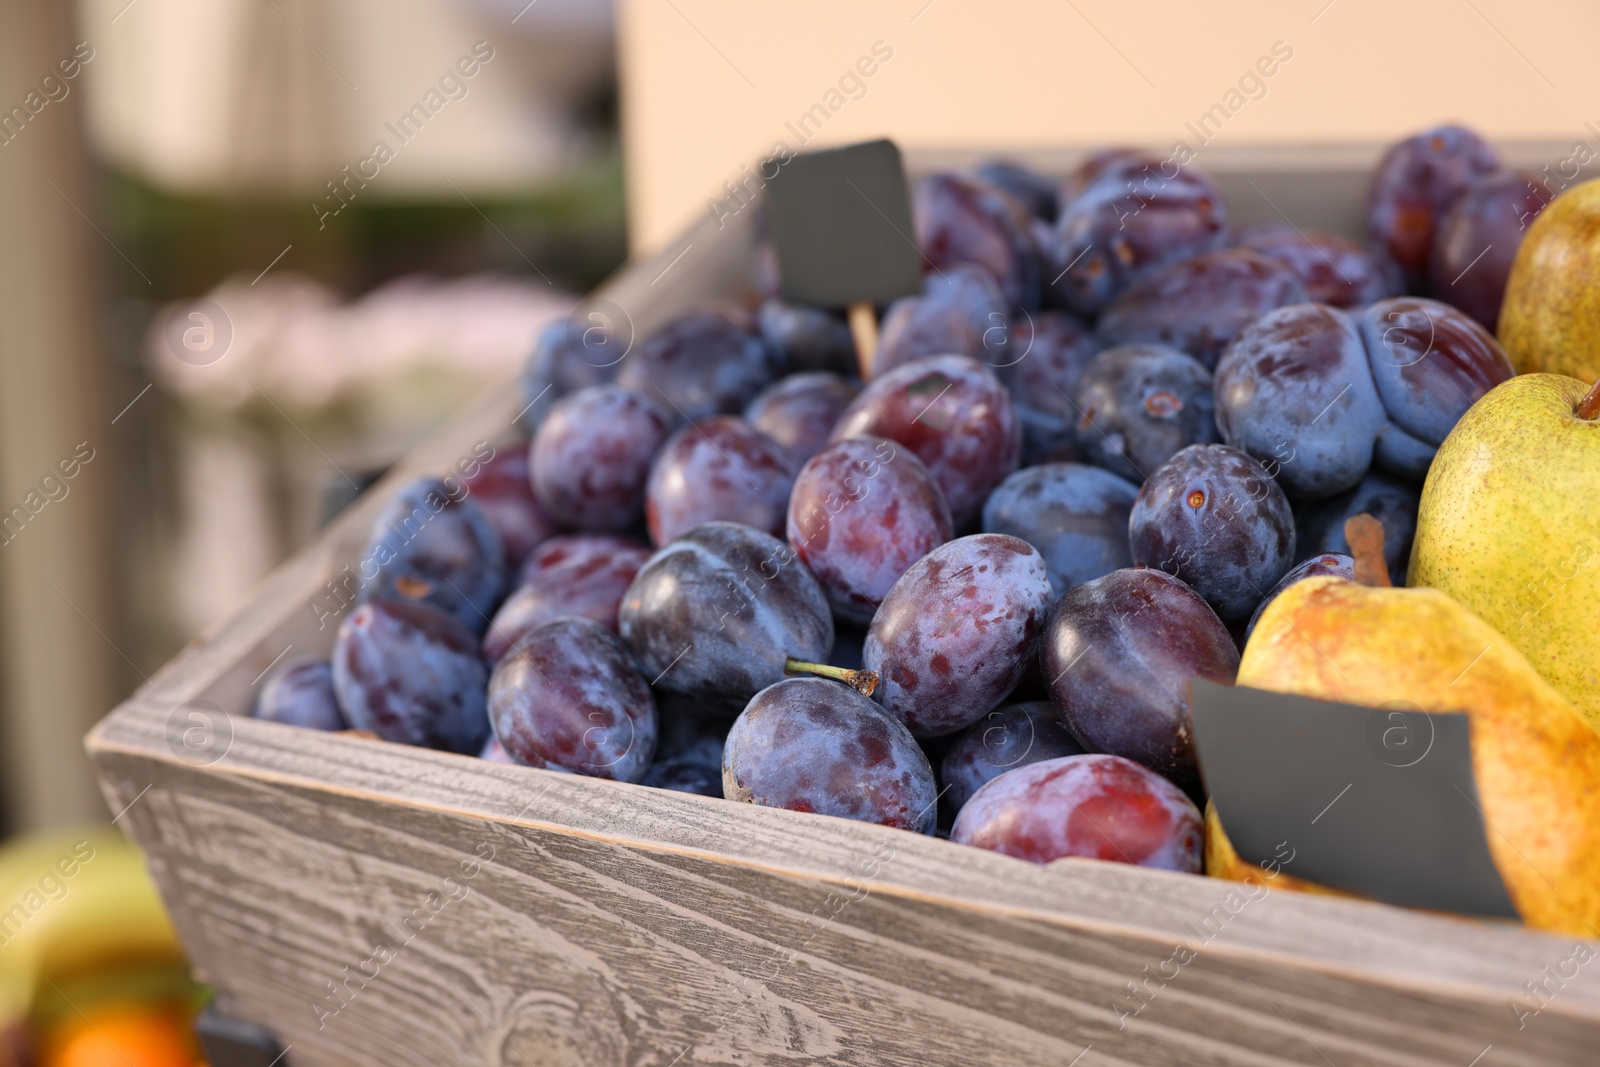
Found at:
(1010, 736)
(956, 632)
(1198, 305)
(1334, 269)
(1100, 162)
(1418, 180)
(84, 934)
(1477, 242)
(129, 1035)
(114, 908)
(1093, 806)
(1118, 656)
(1550, 320)
(1138, 405)
(1507, 525)
(1076, 516)
(808, 744)
(1534, 756)
(954, 415)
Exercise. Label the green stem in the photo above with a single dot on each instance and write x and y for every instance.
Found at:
(863, 682)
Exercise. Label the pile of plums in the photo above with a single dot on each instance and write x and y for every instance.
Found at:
(967, 595)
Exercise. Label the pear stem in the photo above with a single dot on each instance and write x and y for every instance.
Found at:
(1589, 406)
(863, 682)
(1365, 537)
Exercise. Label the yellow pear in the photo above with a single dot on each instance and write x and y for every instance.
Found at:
(1509, 525)
(1550, 320)
(72, 903)
(1536, 759)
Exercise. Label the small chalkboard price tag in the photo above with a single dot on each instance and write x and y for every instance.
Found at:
(1378, 801)
(841, 226)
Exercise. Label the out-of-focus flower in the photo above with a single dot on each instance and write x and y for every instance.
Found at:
(290, 338)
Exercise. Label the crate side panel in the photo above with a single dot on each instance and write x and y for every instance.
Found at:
(1404, 948)
(371, 932)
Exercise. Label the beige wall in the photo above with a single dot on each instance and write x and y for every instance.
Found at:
(709, 84)
(278, 95)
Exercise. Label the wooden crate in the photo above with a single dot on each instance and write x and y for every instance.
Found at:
(380, 904)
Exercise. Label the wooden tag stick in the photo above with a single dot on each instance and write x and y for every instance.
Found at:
(864, 331)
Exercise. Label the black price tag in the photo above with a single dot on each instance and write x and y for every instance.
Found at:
(841, 226)
(1377, 801)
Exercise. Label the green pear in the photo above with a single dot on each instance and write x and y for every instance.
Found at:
(1510, 525)
(1550, 319)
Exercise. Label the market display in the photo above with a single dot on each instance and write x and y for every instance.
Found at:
(1112, 446)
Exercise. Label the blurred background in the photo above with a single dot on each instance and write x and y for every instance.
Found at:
(251, 251)
(223, 151)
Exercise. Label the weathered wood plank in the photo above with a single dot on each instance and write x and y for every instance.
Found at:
(876, 947)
